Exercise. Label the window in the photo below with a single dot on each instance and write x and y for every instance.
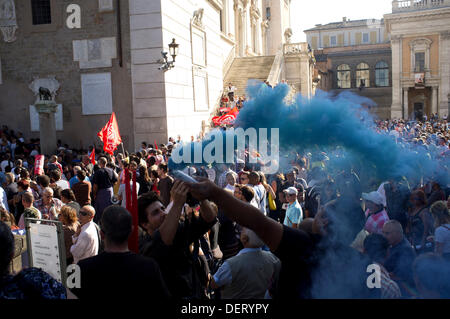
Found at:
(343, 76)
(362, 75)
(365, 37)
(268, 13)
(41, 12)
(420, 61)
(382, 74)
(333, 40)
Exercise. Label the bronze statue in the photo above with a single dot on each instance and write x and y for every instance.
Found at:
(44, 94)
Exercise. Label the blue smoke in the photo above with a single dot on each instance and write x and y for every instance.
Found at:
(325, 122)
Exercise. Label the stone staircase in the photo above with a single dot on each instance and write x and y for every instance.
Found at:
(248, 68)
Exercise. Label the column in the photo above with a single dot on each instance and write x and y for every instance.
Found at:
(396, 107)
(405, 103)
(434, 100)
(444, 61)
(47, 126)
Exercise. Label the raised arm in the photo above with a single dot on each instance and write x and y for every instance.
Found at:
(169, 227)
(244, 214)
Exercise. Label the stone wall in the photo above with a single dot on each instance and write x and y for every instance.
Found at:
(45, 50)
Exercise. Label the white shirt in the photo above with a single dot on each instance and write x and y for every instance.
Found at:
(85, 245)
(3, 199)
(63, 184)
(6, 163)
(122, 193)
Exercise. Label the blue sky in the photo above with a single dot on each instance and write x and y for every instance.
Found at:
(306, 14)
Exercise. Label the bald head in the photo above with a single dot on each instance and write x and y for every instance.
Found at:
(393, 231)
(89, 209)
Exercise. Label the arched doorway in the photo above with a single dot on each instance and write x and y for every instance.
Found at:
(418, 111)
(420, 103)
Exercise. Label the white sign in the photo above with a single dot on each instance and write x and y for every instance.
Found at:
(44, 249)
(74, 19)
(34, 118)
(96, 93)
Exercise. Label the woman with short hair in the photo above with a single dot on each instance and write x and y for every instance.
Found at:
(441, 216)
(68, 217)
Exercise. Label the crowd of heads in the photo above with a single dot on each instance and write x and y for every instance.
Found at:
(323, 190)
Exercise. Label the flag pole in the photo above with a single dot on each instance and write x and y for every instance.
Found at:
(123, 150)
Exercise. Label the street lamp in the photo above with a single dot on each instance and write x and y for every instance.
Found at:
(173, 50)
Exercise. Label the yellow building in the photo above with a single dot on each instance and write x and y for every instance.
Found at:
(420, 43)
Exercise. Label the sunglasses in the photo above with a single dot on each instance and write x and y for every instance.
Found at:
(83, 213)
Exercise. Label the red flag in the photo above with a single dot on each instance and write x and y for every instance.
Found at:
(110, 135)
(156, 145)
(92, 156)
(228, 118)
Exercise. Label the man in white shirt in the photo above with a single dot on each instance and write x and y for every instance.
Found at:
(260, 191)
(85, 241)
(3, 199)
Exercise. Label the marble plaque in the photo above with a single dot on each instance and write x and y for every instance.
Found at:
(105, 5)
(96, 93)
(200, 81)
(95, 53)
(34, 118)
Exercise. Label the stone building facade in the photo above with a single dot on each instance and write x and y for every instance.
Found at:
(51, 49)
(354, 56)
(420, 41)
(106, 56)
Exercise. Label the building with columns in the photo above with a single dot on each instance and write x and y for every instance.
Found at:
(104, 56)
(420, 43)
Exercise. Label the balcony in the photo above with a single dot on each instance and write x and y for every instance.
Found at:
(399, 6)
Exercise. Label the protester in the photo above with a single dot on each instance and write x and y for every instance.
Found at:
(47, 205)
(419, 221)
(121, 195)
(400, 256)
(102, 187)
(165, 184)
(441, 238)
(177, 264)
(294, 213)
(29, 210)
(82, 189)
(376, 247)
(68, 198)
(249, 274)
(375, 213)
(85, 242)
(118, 272)
(69, 219)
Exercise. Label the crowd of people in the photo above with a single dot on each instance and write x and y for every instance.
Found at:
(308, 231)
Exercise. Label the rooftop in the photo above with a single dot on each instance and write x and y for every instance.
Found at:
(346, 23)
(399, 6)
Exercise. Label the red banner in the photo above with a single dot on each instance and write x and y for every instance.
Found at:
(228, 118)
(110, 135)
(39, 165)
(132, 207)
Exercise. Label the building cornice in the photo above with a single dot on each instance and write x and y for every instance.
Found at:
(415, 15)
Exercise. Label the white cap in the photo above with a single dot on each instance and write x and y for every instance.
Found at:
(291, 190)
(373, 197)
